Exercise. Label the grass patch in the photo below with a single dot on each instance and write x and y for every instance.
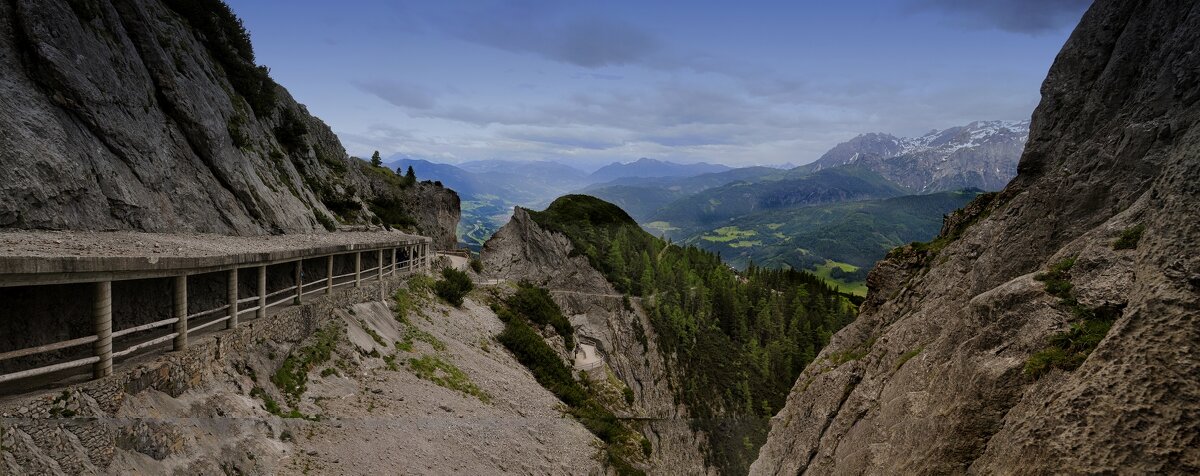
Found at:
(535, 354)
(1058, 278)
(1129, 238)
(390, 362)
(660, 226)
(292, 376)
(728, 234)
(1069, 349)
(272, 406)
(905, 357)
(374, 335)
(835, 274)
(445, 374)
(412, 334)
(855, 353)
(404, 303)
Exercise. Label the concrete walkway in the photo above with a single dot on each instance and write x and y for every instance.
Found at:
(457, 262)
(586, 357)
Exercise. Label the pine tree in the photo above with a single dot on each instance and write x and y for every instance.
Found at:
(376, 161)
(410, 176)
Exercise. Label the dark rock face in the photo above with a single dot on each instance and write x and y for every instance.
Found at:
(114, 115)
(941, 388)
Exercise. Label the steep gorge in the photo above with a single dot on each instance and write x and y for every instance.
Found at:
(707, 352)
(522, 250)
(948, 370)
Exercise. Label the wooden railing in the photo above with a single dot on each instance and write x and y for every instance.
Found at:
(418, 254)
(463, 252)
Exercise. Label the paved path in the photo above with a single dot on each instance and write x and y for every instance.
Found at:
(457, 262)
(581, 293)
(76, 244)
(586, 357)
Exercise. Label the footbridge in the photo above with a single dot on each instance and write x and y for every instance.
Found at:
(76, 300)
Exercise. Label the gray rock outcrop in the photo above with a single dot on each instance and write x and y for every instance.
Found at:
(522, 250)
(121, 115)
(930, 379)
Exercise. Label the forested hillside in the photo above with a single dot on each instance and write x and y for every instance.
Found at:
(840, 241)
(739, 339)
(717, 205)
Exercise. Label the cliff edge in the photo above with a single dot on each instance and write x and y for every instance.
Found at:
(152, 115)
(1051, 328)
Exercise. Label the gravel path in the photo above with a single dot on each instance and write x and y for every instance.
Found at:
(57, 244)
(418, 427)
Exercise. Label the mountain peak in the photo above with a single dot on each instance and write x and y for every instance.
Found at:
(981, 154)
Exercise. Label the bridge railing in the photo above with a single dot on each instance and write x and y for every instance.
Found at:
(416, 256)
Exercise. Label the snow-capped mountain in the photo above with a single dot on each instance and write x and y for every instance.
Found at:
(981, 154)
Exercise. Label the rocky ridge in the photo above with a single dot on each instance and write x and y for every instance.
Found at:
(522, 250)
(932, 377)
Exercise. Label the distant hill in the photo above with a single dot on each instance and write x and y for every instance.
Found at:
(491, 188)
(540, 169)
(652, 168)
(644, 196)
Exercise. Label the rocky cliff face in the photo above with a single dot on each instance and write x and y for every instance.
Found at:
(146, 115)
(522, 250)
(932, 376)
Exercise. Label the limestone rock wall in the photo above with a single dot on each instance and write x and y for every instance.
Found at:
(945, 335)
(114, 115)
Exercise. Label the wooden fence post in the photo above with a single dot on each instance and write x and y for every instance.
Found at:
(102, 317)
(358, 269)
(394, 267)
(379, 272)
(329, 274)
(232, 293)
(181, 324)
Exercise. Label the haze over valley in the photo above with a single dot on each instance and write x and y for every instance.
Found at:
(800, 218)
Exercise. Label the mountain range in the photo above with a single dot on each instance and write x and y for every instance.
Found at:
(643, 168)
(981, 154)
(716, 206)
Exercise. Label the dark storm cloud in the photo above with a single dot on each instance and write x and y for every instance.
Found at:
(405, 95)
(1020, 16)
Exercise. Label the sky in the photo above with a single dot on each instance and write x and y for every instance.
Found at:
(587, 83)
